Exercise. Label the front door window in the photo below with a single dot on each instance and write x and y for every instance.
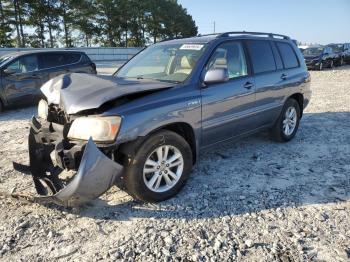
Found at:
(25, 64)
(231, 56)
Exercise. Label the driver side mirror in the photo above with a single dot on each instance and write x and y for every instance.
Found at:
(9, 71)
(215, 76)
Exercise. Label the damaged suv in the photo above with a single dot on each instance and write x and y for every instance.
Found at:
(147, 123)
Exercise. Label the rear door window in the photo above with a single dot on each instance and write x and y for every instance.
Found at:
(289, 57)
(278, 59)
(261, 56)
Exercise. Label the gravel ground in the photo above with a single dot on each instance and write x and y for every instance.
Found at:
(251, 200)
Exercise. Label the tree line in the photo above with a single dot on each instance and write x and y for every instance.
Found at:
(70, 23)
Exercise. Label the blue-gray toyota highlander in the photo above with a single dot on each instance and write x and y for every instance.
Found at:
(146, 124)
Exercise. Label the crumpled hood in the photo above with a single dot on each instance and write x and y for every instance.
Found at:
(77, 92)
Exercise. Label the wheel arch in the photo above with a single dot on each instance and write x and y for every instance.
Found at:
(183, 129)
(299, 97)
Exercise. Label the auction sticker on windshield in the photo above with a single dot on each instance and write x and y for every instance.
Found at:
(191, 47)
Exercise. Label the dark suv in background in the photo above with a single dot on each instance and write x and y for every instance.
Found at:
(23, 73)
(148, 122)
(343, 53)
(319, 57)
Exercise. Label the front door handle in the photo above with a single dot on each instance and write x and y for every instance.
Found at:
(248, 85)
(283, 76)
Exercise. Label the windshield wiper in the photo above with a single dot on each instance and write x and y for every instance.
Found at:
(168, 81)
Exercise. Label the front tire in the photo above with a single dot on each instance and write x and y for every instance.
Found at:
(160, 167)
(287, 124)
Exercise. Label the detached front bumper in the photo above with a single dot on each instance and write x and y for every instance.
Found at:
(95, 174)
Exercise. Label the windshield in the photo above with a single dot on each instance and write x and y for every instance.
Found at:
(3, 59)
(164, 62)
(313, 51)
(337, 48)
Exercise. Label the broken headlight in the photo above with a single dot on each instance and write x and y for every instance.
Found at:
(101, 129)
(43, 109)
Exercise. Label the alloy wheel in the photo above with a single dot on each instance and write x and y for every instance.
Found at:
(163, 168)
(290, 121)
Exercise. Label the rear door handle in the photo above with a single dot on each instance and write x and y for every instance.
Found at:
(283, 76)
(248, 85)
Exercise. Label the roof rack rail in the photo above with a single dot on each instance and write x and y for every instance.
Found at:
(226, 34)
(199, 35)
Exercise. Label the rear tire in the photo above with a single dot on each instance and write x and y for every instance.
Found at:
(150, 175)
(287, 123)
(1, 107)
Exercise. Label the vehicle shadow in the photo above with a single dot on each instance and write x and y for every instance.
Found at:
(252, 175)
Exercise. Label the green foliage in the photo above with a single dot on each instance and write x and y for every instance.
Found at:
(5, 28)
(52, 23)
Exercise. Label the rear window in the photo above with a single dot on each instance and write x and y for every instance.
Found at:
(261, 56)
(50, 60)
(289, 57)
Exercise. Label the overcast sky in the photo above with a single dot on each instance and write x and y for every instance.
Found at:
(311, 21)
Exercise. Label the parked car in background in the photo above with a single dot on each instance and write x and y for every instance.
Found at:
(148, 122)
(343, 53)
(319, 57)
(23, 73)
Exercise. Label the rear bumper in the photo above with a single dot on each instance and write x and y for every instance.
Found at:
(52, 167)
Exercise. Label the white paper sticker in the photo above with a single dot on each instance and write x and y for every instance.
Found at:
(191, 47)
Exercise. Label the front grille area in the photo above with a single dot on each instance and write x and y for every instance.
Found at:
(57, 115)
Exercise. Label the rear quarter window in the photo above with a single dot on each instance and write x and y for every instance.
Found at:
(288, 55)
(85, 59)
(261, 56)
(71, 58)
